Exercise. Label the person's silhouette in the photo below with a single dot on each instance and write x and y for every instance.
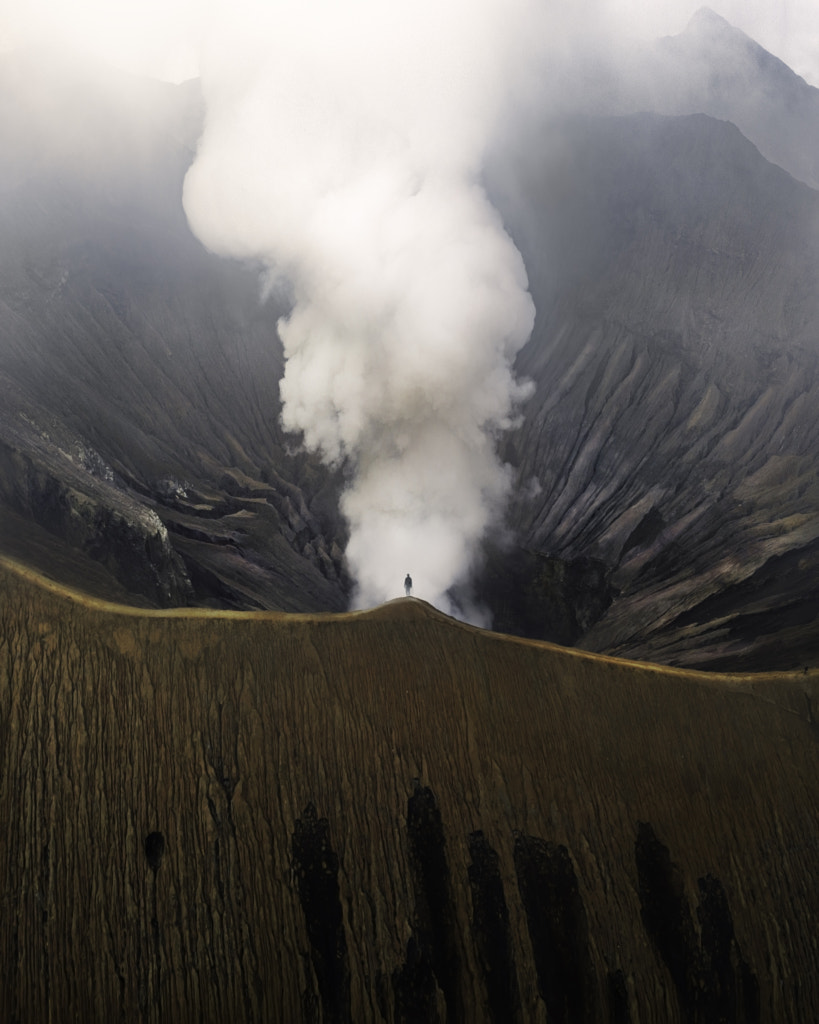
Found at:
(408, 585)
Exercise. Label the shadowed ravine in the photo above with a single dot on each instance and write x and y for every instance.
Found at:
(392, 816)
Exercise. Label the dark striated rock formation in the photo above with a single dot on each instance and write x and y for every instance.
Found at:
(713, 981)
(491, 931)
(138, 374)
(558, 930)
(672, 432)
(392, 817)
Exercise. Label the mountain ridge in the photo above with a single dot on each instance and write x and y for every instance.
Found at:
(397, 610)
(735, 78)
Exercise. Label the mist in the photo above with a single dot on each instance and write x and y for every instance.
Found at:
(343, 150)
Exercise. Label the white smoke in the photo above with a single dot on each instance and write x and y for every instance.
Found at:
(342, 148)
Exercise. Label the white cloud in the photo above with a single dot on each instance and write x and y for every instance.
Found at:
(788, 28)
(158, 38)
(161, 37)
(343, 151)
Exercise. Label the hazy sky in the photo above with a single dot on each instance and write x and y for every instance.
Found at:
(161, 37)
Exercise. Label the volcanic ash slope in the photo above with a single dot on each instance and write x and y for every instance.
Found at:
(391, 816)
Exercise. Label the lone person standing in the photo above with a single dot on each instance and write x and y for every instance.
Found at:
(408, 585)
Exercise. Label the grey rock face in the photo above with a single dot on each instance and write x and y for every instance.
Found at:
(139, 373)
(673, 430)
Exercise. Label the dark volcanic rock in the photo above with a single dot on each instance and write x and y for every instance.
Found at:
(71, 493)
(140, 374)
(672, 432)
(546, 598)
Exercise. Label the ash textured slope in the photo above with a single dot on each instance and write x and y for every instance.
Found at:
(139, 375)
(673, 433)
(390, 816)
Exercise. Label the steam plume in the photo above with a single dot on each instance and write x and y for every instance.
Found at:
(343, 149)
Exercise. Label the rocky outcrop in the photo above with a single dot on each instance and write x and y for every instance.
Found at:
(392, 817)
(73, 496)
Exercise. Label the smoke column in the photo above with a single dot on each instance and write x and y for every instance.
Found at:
(342, 148)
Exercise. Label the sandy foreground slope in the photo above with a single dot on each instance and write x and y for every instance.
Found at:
(391, 816)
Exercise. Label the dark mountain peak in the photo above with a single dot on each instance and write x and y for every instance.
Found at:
(710, 36)
(707, 20)
(714, 68)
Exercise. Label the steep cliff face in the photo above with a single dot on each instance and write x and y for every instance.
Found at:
(139, 374)
(672, 432)
(390, 816)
